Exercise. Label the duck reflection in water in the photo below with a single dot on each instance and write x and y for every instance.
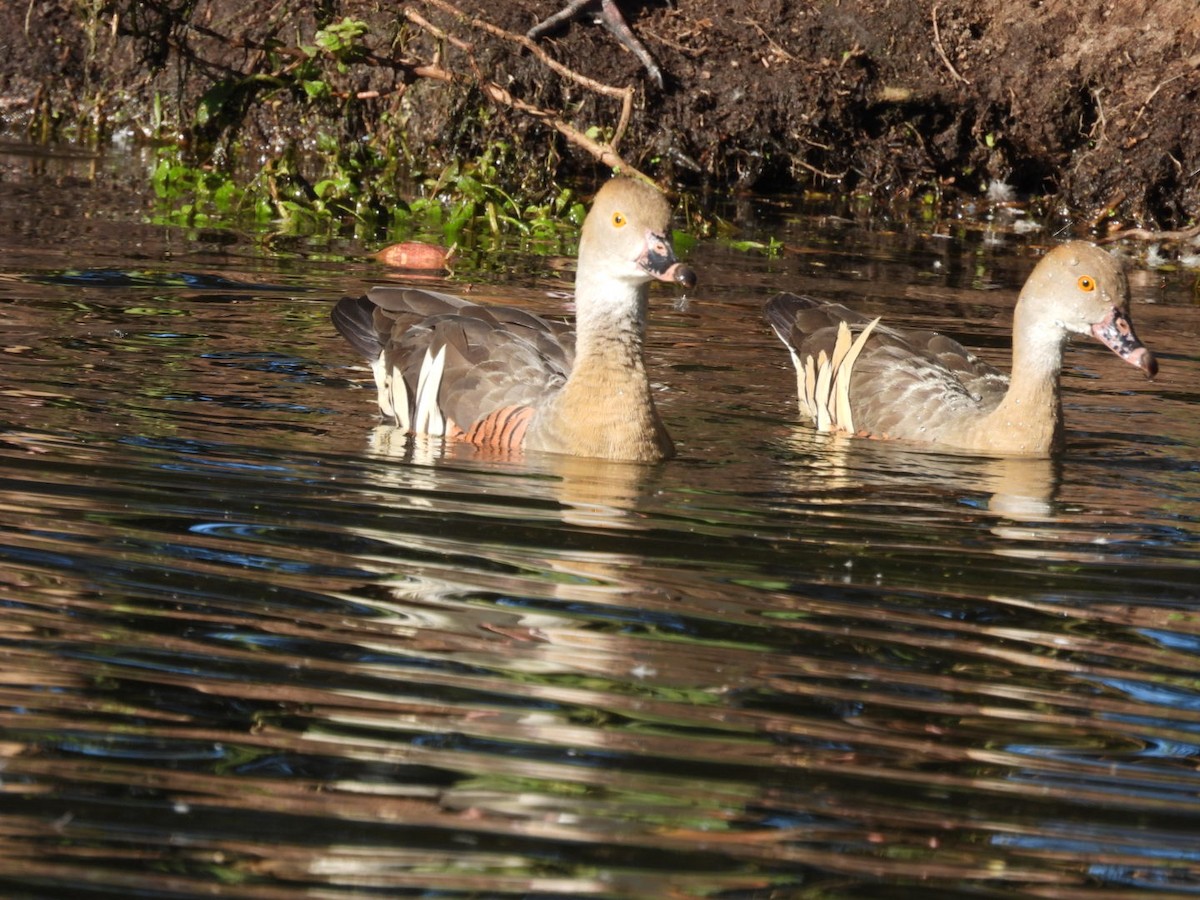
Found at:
(588, 492)
(521, 558)
(1018, 488)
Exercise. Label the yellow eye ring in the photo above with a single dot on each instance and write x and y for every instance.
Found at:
(1086, 283)
(618, 220)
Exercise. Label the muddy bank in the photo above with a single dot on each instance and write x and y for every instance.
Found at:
(1095, 107)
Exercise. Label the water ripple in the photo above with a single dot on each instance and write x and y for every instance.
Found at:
(254, 648)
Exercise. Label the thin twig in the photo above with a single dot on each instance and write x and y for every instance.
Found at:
(779, 51)
(563, 15)
(937, 45)
(1101, 119)
(546, 59)
(1158, 87)
(440, 33)
(1181, 236)
(832, 176)
(1108, 208)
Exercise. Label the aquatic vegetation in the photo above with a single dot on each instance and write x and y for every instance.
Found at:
(358, 195)
(372, 188)
(324, 131)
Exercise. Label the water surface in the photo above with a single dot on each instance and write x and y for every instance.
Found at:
(255, 646)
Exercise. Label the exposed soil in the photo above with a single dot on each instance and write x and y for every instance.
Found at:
(1095, 104)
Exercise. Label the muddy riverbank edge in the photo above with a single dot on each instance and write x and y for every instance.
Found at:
(1093, 105)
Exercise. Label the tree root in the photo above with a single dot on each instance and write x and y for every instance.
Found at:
(1182, 236)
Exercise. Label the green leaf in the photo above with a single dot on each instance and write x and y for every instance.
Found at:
(342, 40)
(214, 101)
(315, 90)
(325, 189)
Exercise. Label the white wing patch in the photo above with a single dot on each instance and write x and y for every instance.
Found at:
(427, 414)
(824, 383)
(392, 392)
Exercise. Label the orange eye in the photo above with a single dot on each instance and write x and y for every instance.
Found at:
(1086, 283)
(618, 220)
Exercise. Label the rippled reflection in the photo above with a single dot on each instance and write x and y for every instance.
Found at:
(256, 647)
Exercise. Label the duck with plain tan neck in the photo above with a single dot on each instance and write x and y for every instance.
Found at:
(506, 380)
(858, 376)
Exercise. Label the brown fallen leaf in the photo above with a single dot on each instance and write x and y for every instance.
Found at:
(415, 255)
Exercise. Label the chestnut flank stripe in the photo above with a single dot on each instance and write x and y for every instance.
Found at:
(503, 429)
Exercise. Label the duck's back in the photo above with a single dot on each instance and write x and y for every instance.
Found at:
(446, 366)
(910, 385)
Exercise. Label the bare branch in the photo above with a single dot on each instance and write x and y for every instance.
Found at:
(1182, 236)
(604, 153)
(625, 94)
(937, 45)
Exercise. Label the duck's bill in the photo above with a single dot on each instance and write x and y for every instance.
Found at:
(680, 274)
(659, 261)
(1116, 333)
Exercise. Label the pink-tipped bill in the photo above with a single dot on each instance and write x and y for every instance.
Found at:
(1116, 333)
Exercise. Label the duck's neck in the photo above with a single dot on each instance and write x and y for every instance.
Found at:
(606, 407)
(609, 376)
(610, 330)
(1030, 415)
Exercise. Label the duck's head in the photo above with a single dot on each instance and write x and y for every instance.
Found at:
(1083, 290)
(627, 235)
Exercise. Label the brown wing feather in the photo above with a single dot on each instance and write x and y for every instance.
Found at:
(495, 358)
(903, 382)
(354, 318)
